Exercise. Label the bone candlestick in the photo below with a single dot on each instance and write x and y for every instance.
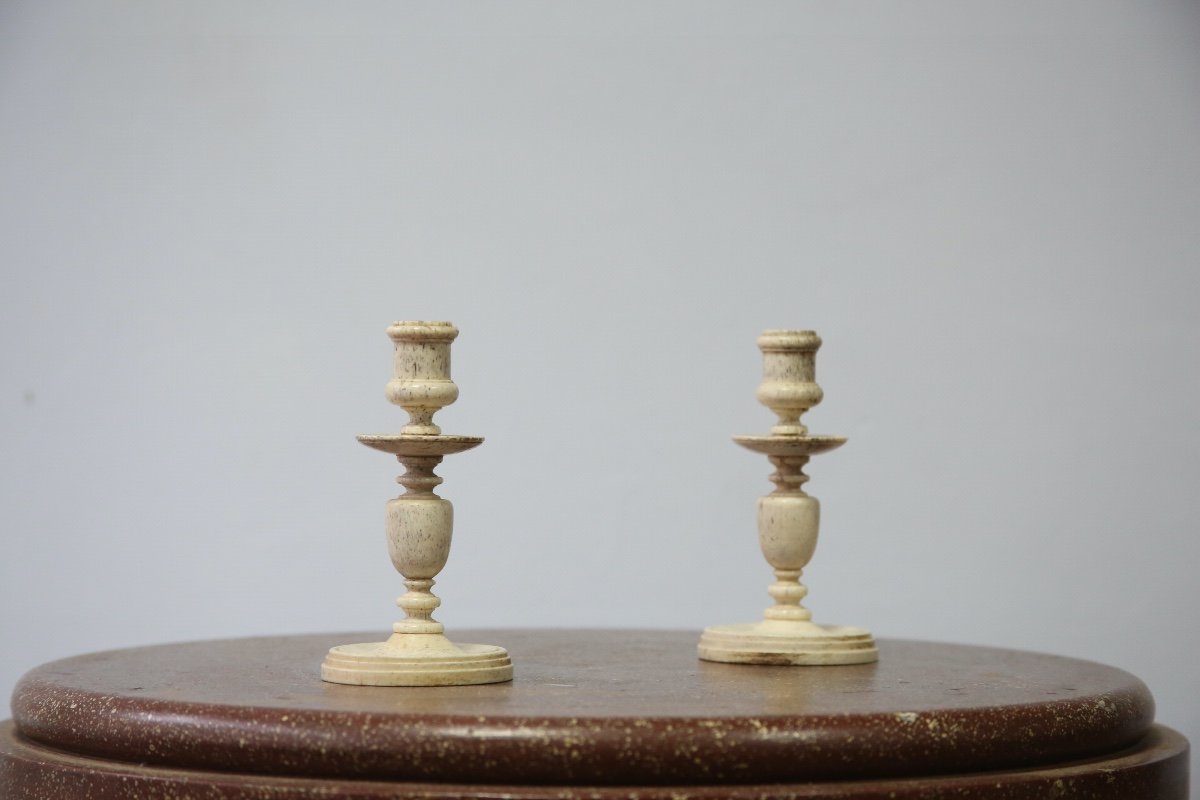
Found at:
(419, 525)
(788, 519)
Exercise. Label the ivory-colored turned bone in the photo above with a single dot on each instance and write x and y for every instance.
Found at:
(788, 520)
(419, 525)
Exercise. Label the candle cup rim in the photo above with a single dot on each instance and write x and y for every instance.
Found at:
(422, 330)
(782, 340)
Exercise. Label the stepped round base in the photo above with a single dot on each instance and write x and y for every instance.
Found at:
(788, 644)
(380, 664)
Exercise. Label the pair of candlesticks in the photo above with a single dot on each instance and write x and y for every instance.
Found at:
(419, 525)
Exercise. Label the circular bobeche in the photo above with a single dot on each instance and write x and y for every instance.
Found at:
(419, 445)
(790, 445)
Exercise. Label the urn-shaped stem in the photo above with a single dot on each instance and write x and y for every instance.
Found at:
(788, 523)
(419, 528)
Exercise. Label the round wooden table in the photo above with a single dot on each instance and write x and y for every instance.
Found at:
(591, 714)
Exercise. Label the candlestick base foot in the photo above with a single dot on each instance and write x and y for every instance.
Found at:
(417, 659)
(788, 644)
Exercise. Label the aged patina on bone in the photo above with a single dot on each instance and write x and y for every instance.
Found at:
(788, 519)
(419, 525)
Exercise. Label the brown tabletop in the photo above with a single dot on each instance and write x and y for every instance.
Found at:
(588, 709)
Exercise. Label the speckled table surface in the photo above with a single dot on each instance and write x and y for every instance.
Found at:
(590, 714)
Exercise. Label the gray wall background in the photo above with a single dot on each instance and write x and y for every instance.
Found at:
(991, 212)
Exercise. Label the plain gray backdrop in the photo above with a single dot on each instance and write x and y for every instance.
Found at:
(210, 211)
